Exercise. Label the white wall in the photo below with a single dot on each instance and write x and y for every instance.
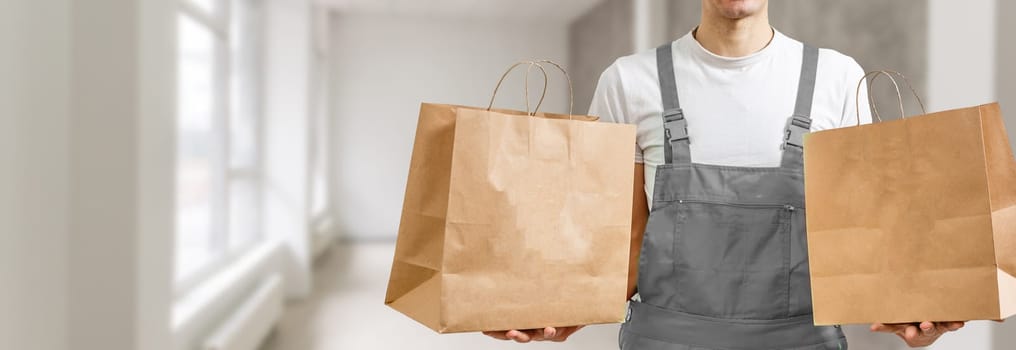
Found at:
(34, 38)
(156, 175)
(84, 182)
(961, 53)
(385, 66)
(286, 134)
(120, 174)
(962, 73)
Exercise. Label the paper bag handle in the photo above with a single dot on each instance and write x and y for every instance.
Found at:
(571, 90)
(874, 104)
(546, 79)
(871, 100)
(505, 75)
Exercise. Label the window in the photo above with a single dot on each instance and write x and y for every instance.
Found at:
(319, 162)
(319, 185)
(218, 127)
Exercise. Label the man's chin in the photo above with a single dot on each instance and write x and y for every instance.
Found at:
(738, 12)
(738, 9)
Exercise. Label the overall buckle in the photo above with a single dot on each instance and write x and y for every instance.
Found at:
(797, 126)
(675, 127)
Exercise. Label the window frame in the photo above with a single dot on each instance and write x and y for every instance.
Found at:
(320, 163)
(220, 23)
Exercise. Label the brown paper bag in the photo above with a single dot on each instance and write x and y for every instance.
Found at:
(913, 220)
(514, 221)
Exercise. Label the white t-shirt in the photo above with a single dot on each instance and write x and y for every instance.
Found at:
(737, 108)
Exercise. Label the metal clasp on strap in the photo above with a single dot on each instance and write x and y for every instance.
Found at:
(675, 127)
(797, 126)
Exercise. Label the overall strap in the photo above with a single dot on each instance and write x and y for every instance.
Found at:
(675, 127)
(800, 123)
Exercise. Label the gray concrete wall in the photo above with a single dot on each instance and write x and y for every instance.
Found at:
(878, 34)
(1006, 78)
(596, 39)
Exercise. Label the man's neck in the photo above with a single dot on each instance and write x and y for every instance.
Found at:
(734, 37)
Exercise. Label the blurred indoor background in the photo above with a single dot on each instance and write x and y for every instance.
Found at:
(228, 174)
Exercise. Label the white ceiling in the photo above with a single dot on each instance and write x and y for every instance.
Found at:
(563, 10)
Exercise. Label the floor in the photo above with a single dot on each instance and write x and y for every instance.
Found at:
(347, 311)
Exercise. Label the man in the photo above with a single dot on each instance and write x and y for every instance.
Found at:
(720, 115)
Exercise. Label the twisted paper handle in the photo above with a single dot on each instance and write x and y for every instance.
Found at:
(503, 76)
(546, 79)
(871, 100)
(571, 90)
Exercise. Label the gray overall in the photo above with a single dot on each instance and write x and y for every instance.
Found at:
(724, 261)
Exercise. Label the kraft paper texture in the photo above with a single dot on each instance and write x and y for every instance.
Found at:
(513, 221)
(913, 220)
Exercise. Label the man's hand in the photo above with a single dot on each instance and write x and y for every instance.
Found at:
(918, 335)
(558, 334)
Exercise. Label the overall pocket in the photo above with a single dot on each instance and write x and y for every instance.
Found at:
(656, 257)
(800, 275)
(732, 260)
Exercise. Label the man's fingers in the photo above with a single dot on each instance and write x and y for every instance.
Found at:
(518, 336)
(914, 336)
(952, 326)
(911, 333)
(500, 335)
(557, 334)
(918, 334)
(565, 332)
(928, 329)
(886, 328)
(549, 333)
